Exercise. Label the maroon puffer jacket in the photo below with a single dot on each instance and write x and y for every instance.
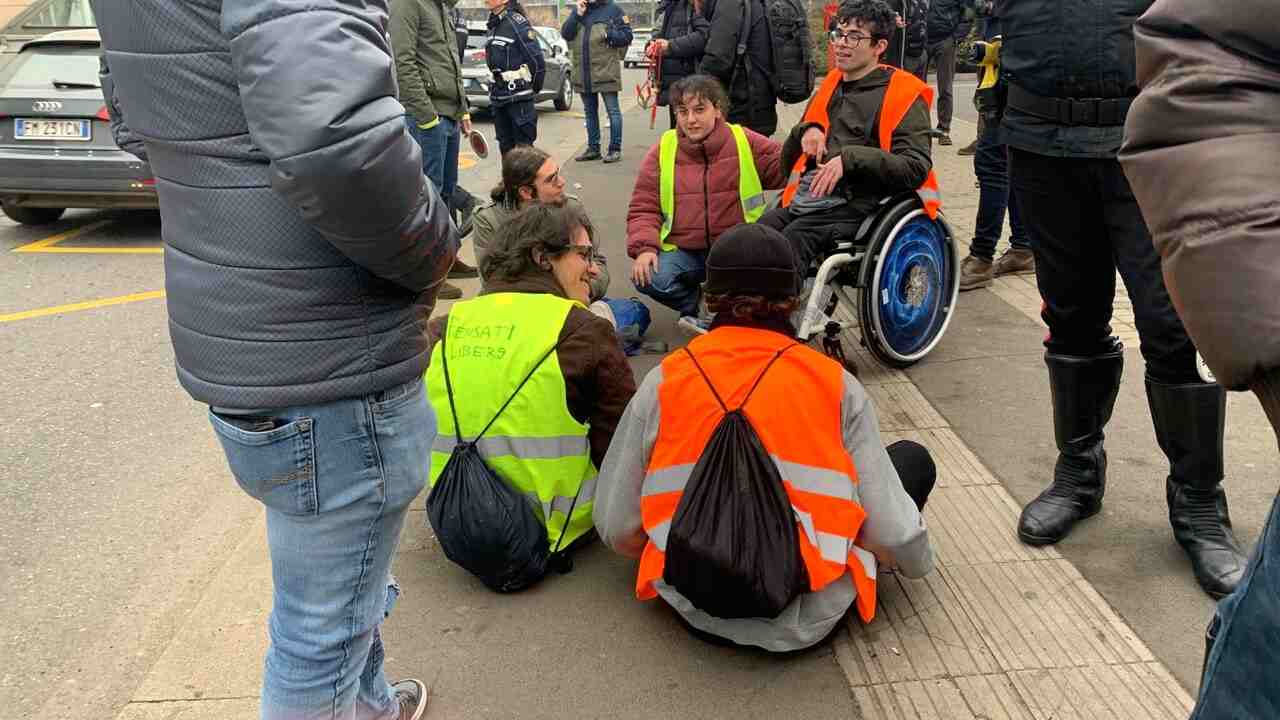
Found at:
(707, 200)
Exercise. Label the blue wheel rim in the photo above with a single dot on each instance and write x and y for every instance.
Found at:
(913, 287)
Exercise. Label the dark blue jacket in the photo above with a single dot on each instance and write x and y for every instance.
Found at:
(513, 43)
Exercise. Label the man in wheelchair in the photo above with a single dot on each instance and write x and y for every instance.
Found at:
(865, 136)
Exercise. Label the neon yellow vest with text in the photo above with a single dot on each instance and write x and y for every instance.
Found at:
(749, 188)
(536, 445)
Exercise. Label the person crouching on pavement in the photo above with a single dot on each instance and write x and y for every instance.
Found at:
(812, 417)
(538, 283)
(529, 177)
(864, 137)
(701, 179)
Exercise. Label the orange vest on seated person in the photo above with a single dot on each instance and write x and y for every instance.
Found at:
(902, 92)
(796, 411)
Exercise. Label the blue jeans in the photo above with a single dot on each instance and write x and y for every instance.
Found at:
(992, 168)
(439, 153)
(337, 480)
(592, 111)
(677, 282)
(1239, 677)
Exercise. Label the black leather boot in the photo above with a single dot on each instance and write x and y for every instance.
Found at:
(1189, 422)
(1084, 392)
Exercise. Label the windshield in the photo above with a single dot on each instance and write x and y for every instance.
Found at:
(476, 42)
(37, 68)
(63, 14)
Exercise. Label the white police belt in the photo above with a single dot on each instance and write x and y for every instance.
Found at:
(513, 77)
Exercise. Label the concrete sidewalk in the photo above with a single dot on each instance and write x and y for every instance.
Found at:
(999, 630)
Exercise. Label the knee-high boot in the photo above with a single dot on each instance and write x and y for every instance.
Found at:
(1189, 420)
(1084, 392)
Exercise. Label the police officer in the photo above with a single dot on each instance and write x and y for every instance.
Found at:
(1069, 66)
(515, 59)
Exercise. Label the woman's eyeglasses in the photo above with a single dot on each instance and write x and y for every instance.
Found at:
(586, 252)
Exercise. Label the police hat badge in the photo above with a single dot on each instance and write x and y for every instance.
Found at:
(479, 145)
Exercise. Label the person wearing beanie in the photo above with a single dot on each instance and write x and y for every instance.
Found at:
(864, 500)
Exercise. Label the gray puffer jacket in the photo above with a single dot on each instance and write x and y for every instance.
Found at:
(1200, 152)
(303, 245)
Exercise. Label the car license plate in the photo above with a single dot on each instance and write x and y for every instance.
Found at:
(33, 129)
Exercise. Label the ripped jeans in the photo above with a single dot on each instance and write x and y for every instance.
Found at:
(337, 480)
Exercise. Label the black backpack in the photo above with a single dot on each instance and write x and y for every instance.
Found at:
(733, 549)
(790, 49)
(484, 524)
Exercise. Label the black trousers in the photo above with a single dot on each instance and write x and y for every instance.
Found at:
(812, 234)
(515, 124)
(1085, 225)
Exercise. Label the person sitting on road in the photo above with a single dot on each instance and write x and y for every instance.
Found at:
(535, 299)
(853, 500)
(701, 179)
(864, 137)
(529, 176)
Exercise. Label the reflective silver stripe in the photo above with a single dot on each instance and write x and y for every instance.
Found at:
(659, 534)
(929, 194)
(525, 448)
(562, 503)
(833, 548)
(670, 479)
(867, 559)
(753, 202)
(816, 480)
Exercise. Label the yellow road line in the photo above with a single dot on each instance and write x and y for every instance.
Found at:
(87, 305)
(40, 245)
(97, 250)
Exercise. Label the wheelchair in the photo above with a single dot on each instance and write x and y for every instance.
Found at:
(899, 274)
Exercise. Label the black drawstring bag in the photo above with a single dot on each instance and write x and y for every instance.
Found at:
(732, 549)
(484, 524)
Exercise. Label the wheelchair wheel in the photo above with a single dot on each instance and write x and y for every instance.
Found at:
(907, 299)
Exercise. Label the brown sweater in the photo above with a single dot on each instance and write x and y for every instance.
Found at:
(597, 376)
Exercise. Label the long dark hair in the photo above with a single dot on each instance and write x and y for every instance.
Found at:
(519, 169)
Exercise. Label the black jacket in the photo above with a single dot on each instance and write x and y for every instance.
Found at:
(943, 20)
(511, 44)
(686, 30)
(303, 244)
(1068, 49)
(752, 101)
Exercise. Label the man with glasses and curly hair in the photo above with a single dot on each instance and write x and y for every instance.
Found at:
(865, 136)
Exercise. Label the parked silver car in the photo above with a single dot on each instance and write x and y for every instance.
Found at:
(56, 149)
(476, 76)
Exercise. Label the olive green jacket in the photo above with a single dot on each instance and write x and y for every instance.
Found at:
(427, 67)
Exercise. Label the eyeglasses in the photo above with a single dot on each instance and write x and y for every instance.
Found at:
(552, 179)
(586, 252)
(849, 38)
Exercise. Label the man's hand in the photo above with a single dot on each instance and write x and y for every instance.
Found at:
(814, 143)
(658, 47)
(582, 7)
(829, 173)
(466, 125)
(644, 267)
(897, 20)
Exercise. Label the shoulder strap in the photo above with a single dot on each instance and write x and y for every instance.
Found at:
(444, 357)
(754, 385)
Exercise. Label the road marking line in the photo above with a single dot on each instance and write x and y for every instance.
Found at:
(96, 250)
(87, 305)
(40, 245)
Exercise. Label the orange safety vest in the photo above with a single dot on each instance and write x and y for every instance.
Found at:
(805, 440)
(903, 90)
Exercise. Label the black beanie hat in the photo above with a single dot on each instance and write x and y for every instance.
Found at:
(752, 259)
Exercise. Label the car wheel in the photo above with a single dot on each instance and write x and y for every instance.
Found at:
(33, 215)
(565, 100)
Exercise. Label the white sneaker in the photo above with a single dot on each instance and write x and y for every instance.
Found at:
(411, 698)
(692, 325)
